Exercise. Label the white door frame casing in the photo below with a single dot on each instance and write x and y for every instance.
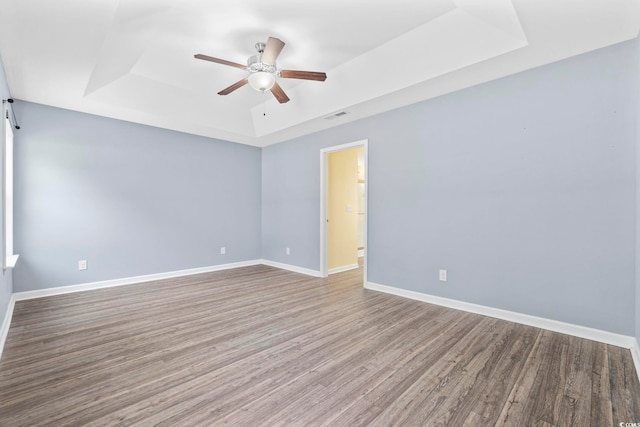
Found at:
(324, 189)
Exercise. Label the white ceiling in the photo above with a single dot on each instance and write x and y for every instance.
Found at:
(133, 59)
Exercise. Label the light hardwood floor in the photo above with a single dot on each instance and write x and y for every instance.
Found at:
(261, 346)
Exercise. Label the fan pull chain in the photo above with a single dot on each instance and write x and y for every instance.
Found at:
(264, 107)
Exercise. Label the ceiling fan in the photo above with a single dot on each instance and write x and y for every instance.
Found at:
(263, 71)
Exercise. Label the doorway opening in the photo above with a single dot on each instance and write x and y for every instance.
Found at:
(344, 172)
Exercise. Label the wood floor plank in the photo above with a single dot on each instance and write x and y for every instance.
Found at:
(484, 401)
(411, 365)
(601, 408)
(262, 346)
(515, 410)
(350, 370)
(575, 407)
(431, 386)
(246, 372)
(623, 380)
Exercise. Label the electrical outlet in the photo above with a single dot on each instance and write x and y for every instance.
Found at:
(442, 275)
(82, 264)
(288, 251)
(223, 250)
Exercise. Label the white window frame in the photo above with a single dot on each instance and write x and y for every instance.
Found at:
(9, 259)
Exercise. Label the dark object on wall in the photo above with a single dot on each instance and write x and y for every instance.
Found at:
(15, 121)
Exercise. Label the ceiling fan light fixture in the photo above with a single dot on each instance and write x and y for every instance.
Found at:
(263, 71)
(262, 81)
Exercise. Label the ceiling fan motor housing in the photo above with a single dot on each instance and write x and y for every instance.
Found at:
(255, 64)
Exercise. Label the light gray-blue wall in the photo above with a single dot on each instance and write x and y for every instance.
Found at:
(522, 188)
(130, 199)
(6, 287)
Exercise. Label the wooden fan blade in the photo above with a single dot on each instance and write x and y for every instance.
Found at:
(220, 61)
(277, 91)
(304, 75)
(233, 87)
(272, 50)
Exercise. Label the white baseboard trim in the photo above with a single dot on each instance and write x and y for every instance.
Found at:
(343, 268)
(19, 296)
(360, 253)
(60, 290)
(525, 319)
(294, 268)
(6, 323)
(635, 354)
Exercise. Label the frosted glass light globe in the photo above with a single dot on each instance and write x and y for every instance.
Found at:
(262, 81)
